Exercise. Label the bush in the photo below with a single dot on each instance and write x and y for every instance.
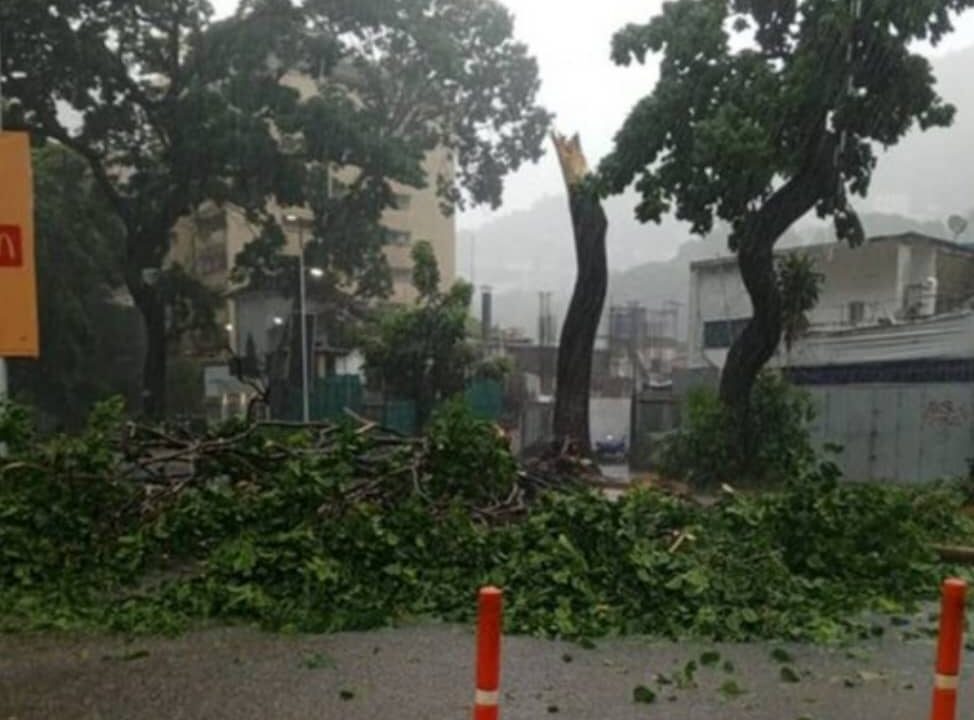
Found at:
(771, 447)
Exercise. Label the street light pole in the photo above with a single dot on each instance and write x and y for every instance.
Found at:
(305, 402)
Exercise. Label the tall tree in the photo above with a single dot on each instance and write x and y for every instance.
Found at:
(765, 110)
(169, 111)
(417, 91)
(421, 353)
(589, 226)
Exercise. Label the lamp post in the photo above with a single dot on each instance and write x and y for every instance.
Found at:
(302, 303)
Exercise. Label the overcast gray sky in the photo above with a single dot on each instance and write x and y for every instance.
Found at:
(588, 94)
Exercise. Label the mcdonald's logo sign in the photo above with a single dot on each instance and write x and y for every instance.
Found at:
(18, 282)
(11, 246)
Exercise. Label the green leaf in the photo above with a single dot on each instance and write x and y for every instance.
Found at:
(642, 694)
(710, 658)
(730, 689)
(788, 674)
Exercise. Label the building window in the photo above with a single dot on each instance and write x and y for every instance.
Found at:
(399, 238)
(720, 334)
(857, 312)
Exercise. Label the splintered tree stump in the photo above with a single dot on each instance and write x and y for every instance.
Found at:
(577, 343)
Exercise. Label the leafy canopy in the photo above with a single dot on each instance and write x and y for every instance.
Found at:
(755, 93)
(409, 92)
(152, 95)
(169, 110)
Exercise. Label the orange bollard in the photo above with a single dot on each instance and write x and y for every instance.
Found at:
(949, 649)
(487, 697)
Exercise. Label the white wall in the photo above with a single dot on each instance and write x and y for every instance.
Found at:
(867, 274)
(874, 274)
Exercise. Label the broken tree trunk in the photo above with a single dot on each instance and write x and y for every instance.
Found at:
(577, 343)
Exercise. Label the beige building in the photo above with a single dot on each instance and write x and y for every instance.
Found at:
(208, 242)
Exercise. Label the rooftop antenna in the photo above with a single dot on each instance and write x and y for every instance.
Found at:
(957, 225)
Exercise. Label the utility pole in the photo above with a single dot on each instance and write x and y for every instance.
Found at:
(305, 401)
(302, 310)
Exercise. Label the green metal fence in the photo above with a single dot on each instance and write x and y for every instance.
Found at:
(330, 397)
(485, 398)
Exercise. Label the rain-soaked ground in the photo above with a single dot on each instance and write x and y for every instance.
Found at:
(425, 673)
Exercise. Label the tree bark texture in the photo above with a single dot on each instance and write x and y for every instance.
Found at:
(755, 241)
(577, 343)
(152, 307)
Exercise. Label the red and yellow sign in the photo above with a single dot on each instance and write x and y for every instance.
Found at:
(18, 282)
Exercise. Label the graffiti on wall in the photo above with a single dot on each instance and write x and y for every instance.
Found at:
(944, 414)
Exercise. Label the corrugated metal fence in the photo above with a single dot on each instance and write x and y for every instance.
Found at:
(902, 432)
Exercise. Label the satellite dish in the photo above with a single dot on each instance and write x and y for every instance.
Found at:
(957, 225)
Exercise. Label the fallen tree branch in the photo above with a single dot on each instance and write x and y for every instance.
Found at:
(955, 553)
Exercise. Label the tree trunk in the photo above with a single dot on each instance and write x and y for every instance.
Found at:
(755, 240)
(150, 304)
(757, 344)
(577, 343)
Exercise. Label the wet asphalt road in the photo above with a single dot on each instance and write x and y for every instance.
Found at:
(425, 672)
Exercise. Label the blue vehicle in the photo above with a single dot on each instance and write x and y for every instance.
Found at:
(611, 447)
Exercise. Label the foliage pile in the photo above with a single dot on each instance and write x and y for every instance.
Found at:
(342, 528)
